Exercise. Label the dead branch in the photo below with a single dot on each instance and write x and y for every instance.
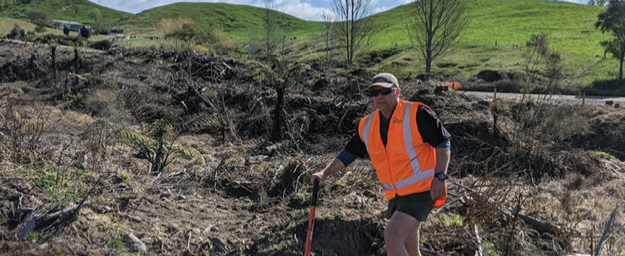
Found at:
(479, 241)
(537, 224)
(605, 231)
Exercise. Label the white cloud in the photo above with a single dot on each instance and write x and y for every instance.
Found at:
(380, 9)
(136, 6)
(297, 8)
(302, 10)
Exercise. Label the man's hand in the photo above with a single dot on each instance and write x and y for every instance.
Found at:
(318, 175)
(437, 189)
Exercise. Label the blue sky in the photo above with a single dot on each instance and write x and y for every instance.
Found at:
(304, 9)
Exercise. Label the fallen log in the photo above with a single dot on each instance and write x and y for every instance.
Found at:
(37, 217)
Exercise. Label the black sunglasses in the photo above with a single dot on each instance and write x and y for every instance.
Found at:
(384, 92)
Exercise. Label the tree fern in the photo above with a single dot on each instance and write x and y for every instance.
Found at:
(157, 144)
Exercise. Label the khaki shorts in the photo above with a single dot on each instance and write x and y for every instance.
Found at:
(417, 205)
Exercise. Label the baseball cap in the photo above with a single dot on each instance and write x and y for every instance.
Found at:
(386, 80)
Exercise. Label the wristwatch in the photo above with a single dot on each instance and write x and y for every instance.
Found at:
(441, 176)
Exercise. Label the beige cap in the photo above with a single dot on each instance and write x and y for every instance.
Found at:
(386, 80)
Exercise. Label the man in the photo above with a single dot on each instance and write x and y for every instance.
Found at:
(410, 150)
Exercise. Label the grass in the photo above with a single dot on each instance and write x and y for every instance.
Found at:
(73, 10)
(602, 154)
(448, 221)
(238, 21)
(496, 27)
(116, 243)
(507, 23)
(7, 24)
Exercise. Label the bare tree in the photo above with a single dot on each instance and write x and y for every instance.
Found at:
(252, 45)
(327, 19)
(435, 26)
(353, 28)
(270, 26)
(283, 33)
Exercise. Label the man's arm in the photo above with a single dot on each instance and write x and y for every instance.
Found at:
(354, 148)
(442, 159)
(437, 188)
(332, 167)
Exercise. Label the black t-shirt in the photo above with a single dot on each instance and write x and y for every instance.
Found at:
(430, 128)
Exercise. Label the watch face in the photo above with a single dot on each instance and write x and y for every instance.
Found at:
(441, 176)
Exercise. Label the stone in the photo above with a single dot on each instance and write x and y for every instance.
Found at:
(136, 244)
(165, 195)
(256, 159)
(181, 197)
(354, 88)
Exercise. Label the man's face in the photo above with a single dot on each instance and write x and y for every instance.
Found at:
(385, 102)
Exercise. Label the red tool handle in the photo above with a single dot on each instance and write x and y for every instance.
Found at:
(311, 221)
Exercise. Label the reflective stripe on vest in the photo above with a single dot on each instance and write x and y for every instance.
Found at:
(407, 130)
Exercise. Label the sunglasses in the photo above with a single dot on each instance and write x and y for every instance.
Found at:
(384, 92)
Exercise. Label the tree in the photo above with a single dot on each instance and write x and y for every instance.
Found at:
(328, 21)
(40, 19)
(186, 33)
(270, 25)
(178, 29)
(84, 32)
(536, 48)
(283, 33)
(353, 29)
(592, 2)
(252, 45)
(5, 4)
(612, 20)
(16, 31)
(281, 76)
(435, 26)
(96, 15)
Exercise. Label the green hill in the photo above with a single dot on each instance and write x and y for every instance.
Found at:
(498, 28)
(237, 20)
(74, 10)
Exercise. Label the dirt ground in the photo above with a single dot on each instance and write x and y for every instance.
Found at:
(558, 164)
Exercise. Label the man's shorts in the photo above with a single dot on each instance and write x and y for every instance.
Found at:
(418, 205)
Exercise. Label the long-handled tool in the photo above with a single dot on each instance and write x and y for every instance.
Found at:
(311, 221)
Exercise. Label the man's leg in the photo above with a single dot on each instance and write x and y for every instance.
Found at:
(412, 241)
(397, 230)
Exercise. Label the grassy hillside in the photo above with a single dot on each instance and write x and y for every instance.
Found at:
(508, 23)
(7, 24)
(494, 38)
(237, 20)
(74, 10)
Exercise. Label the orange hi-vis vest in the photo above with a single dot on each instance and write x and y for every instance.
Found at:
(406, 165)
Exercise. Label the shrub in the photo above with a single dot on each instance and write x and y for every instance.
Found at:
(101, 45)
(16, 31)
(84, 32)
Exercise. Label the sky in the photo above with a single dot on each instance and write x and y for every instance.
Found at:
(304, 9)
